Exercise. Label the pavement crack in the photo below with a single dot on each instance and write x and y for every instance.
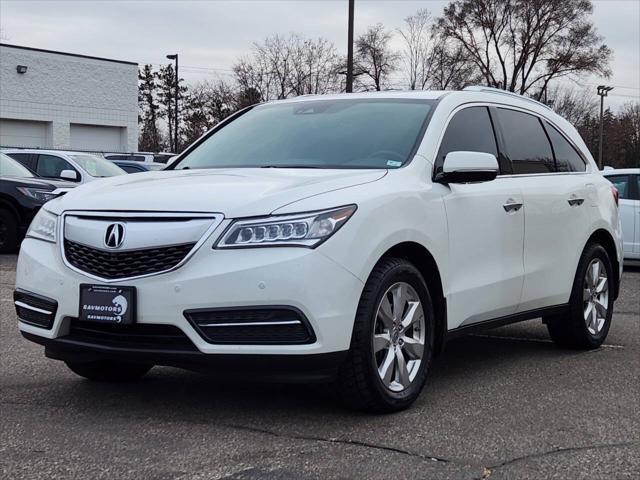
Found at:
(557, 451)
(343, 441)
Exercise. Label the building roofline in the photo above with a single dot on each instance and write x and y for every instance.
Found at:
(32, 49)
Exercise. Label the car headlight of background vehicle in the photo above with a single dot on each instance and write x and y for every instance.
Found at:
(44, 226)
(303, 230)
(38, 194)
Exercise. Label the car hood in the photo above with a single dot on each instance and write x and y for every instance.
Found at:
(240, 192)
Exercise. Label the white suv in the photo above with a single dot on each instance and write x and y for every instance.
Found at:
(342, 237)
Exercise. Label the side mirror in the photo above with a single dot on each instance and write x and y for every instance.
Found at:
(467, 167)
(69, 175)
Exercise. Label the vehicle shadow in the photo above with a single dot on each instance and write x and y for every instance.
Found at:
(213, 398)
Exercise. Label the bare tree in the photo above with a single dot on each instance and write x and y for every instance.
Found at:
(374, 59)
(417, 52)
(573, 103)
(281, 67)
(206, 105)
(521, 45)
(451, 67)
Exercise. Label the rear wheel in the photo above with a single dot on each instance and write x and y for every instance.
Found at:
(392, 340)
(108, 371)
(8, 231)
(591, 305)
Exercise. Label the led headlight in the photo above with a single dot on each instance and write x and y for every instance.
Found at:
(38, 194)
(304, 229)
(43, 226)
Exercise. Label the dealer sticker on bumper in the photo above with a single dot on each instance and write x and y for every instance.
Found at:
(109, 304)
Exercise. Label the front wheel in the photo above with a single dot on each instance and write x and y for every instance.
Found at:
(108, 371)
(392, 340)
(591, 305)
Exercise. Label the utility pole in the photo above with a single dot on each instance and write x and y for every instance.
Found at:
(603, 91)
(175, 110)
(350, 49)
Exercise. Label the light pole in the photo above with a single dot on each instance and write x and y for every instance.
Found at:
(603, 91)
(175, 110)
(350, 49)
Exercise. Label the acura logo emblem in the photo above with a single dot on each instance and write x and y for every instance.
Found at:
(114, 235)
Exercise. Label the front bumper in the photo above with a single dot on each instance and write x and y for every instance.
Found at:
(325, 292)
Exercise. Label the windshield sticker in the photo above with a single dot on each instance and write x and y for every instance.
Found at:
(393, 163)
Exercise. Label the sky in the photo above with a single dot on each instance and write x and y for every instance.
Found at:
(210, 35)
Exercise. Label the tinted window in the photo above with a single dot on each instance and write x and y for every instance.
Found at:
(469, 130)
(345, 133)
(25, 159)
(117, 157)
(51, 166)
(621, 182)
(637, 177)
(526, 143)
(131, 168)
(567, 158)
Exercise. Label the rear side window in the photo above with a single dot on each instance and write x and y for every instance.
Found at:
(526, 143)
(470, 130)
(622, 183)
(26, 159)
(567, 158)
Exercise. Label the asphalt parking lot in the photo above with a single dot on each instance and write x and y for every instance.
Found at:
(504, 405)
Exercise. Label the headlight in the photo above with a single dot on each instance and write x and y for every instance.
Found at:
(303, 230)
(37, 194)
(44, 226)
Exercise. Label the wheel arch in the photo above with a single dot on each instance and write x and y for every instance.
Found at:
(425, 262)
(604, 238)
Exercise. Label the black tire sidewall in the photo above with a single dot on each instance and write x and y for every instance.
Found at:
(577, 309)
(402, 272)
(11, 241)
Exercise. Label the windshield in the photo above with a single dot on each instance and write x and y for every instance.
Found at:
(11, 168)
(345, 133)
(96, 166)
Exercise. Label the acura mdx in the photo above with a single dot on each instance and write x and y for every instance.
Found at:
(343, 238)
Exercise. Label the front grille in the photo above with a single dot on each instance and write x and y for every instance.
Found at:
(125, 264)
(252, 326)
(35, 309)
(134, 336)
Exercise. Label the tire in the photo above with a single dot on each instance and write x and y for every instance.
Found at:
(8, 232)
(107, 371)
(578, 329)
(359, 383)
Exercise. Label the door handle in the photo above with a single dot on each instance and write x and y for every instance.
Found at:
(575, 201)
(512, 206)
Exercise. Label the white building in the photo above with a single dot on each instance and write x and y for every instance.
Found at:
(61, 100)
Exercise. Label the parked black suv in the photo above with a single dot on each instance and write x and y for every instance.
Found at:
(22, 194)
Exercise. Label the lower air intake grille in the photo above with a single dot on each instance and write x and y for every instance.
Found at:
(252, 326)
(35, 309)
(135, 336)
(124, 264)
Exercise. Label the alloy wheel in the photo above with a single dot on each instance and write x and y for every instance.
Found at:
(595, 296)
(399, 336)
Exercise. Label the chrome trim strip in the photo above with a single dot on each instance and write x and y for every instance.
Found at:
(29, 307)
(250, 324)
(216, 220)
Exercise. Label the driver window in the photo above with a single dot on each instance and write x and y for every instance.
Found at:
(469, 130)
(51, 166)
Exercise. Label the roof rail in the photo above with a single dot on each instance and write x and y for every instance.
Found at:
(480, 88)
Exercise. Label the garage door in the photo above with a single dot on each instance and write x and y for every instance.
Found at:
(96, 138)
(24, 133)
